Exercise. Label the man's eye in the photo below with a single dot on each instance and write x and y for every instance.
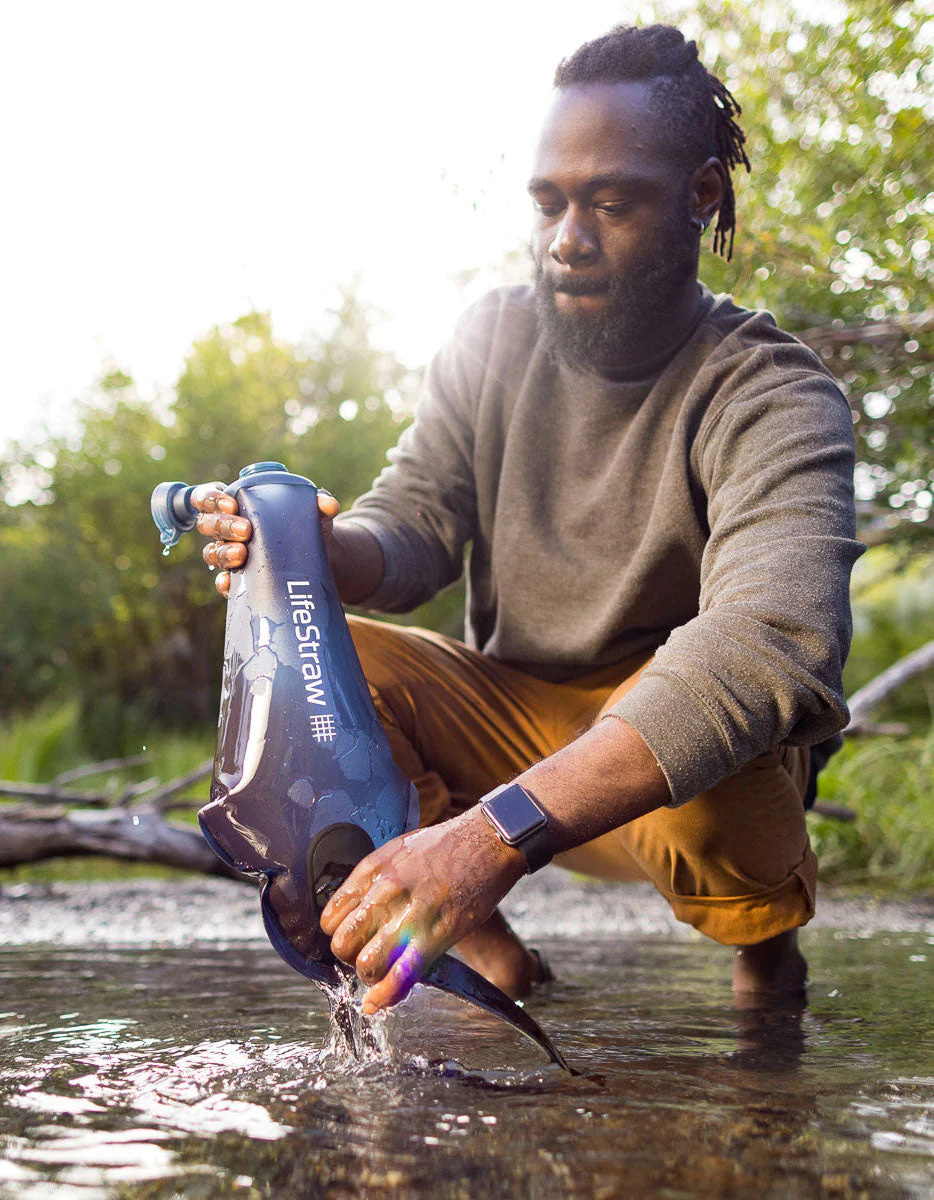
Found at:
(614, 208)
(547, 208)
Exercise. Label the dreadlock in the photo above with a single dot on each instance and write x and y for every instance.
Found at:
(700, 112)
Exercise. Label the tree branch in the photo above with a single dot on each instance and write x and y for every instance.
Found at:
(163, 798)
(897, 330)
(99, 768)
(867, 699)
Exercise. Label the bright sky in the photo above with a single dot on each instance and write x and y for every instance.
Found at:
(169, 166)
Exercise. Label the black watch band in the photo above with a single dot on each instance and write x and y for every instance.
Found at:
(519, 822)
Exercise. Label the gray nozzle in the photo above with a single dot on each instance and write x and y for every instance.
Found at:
(172, 511)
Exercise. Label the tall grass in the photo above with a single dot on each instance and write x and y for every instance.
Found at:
(36, 747)
(889, 784)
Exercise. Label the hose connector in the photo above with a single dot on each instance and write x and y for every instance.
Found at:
(172, 511)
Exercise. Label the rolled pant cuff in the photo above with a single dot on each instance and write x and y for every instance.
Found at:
(748, 920)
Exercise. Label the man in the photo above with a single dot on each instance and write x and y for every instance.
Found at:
(656, 486)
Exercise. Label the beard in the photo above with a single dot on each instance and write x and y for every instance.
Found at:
(637, 304)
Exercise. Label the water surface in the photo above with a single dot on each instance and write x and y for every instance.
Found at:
(207, 1072)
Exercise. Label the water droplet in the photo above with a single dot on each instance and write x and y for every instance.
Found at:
(165, 552)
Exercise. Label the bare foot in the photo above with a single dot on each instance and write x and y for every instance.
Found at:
(773, 968)
(500, 956)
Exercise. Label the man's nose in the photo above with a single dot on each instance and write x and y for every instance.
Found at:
(574, 245)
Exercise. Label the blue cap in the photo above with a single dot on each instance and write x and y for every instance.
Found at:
(255, 468)
(172, 511)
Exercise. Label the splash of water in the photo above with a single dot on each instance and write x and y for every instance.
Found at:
(355, 1040)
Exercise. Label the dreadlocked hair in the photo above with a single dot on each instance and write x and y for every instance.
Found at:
(701, 114)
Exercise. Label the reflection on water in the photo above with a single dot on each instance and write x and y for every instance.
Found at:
(203, 1073)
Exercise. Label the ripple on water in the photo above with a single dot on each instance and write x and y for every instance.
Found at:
(206, 1073)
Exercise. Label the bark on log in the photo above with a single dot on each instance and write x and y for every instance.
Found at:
(135, 836)
(141, 834)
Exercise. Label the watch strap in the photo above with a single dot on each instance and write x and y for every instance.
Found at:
(520, 822)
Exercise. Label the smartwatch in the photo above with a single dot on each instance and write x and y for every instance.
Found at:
(519, 822)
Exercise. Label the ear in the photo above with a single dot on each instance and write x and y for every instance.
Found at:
(708, 187)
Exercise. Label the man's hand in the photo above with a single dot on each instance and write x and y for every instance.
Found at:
(220, 521)
(418, 895)
(409, 901)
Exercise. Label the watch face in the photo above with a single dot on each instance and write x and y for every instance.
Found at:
(515, 814)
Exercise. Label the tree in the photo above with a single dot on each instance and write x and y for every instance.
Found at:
(90, 607)
(836, 220)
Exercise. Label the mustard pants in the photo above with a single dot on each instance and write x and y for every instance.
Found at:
(735, 862)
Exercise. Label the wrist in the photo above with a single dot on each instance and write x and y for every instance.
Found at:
(356, 561)
(518, 820)
(506, 863)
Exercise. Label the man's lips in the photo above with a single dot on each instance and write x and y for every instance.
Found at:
(579, 295)
(579, 287)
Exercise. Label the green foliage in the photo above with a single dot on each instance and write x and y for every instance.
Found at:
(92, 609)
(37, 746)
(890, 845)
(835, 224)
(893, 614)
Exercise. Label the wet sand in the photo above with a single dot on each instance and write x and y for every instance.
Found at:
(151, 912)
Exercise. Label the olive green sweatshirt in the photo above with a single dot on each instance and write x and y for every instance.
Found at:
(704, 512)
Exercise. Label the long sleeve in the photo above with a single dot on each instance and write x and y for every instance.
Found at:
(422, 507)
(761, 662)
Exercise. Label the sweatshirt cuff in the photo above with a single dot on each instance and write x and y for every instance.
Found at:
(688, 742)
(401, 586)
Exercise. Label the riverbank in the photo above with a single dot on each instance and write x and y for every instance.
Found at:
(155, 912)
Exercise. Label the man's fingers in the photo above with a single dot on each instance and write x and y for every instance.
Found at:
(383, 903)
(328, 505)
(228, 556)
(211, 497)
(222, 583)
(225, 528)
(407, 970)
(381, 951)
(353, 890)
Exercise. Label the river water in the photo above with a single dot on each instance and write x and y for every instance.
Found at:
(203, 1071)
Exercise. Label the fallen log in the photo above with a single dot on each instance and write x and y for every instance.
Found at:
(144, 836)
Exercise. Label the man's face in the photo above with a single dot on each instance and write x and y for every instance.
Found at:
(613, 243)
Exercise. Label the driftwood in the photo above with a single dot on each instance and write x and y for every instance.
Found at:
(36, 834)
(127, 825)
